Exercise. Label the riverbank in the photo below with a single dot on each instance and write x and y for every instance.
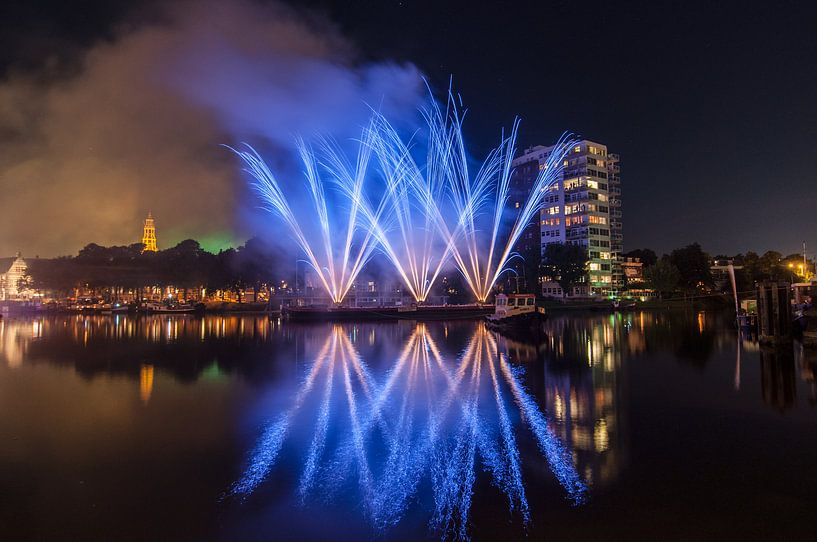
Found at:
(711, 302)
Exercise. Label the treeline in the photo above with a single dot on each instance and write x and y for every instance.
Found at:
(688, 269)
(186, 266)
(684, 271)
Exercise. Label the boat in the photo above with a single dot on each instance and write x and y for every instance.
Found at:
(171, 308)
(515, 310)
(119, 308)
(621, 305)
(90, 305)
(747, 315)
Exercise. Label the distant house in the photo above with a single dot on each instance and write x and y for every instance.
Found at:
(633, 269)
(11, 271)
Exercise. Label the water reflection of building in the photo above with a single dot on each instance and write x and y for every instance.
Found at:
(161, 328)
(583, 387)
(145, 382)
(807, 364)
(139, 347)
(15, 339)
(777, 378)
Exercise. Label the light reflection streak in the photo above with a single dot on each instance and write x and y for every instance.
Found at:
(363, 465)
(511, 476)
(427, 422)
(319, 439)
(272, 438)
(558, 456)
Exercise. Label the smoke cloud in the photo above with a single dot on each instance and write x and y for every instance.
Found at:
(138, 127)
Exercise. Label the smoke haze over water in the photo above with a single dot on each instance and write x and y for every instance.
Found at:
(138, 126)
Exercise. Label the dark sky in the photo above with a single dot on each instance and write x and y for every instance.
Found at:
(713, 106)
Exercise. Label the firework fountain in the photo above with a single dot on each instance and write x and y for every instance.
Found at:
(419, 216)
(343, 244)
(480, 199)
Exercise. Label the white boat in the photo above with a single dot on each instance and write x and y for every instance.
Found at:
(515, 308)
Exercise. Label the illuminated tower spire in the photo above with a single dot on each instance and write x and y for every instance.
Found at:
(149, 235)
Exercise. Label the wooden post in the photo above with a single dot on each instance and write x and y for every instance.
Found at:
(774, 312)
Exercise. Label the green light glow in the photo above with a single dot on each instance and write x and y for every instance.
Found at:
(219, 241)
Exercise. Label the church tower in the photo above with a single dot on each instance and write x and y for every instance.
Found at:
(149, 235)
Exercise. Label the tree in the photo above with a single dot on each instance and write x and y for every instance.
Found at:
(566, 263)
(221, 276)
(255, 265)
(770, 266)
(663, 277)
(694, 266)
(186, 265)
(59, 275)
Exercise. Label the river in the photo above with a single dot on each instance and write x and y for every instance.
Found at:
(632, 426)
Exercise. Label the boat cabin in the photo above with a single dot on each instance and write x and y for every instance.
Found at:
(514, 304)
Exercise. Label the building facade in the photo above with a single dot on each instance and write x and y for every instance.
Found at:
(583, 208)
(524, 277)
(11, 271)
(633, 271)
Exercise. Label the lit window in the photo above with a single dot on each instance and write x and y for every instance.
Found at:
(577, 148)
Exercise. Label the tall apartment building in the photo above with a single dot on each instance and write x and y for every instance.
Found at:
(583, 208)
(529, 246)
(616, 231)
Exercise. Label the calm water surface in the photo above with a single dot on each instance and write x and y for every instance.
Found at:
(607, 427)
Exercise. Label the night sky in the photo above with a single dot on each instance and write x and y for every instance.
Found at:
(712, 106)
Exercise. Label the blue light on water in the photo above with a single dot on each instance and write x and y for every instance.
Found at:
(319, 439)
(263, 457)
(434, 422)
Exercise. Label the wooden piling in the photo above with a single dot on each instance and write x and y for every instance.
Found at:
(774, 312)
